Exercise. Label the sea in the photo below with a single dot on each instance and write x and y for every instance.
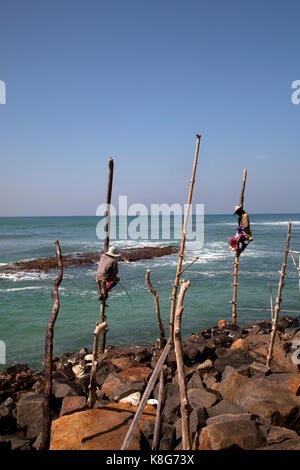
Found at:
(26, 302)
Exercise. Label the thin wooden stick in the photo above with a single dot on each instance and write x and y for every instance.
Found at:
(106, 242)
(146, 395)
(92, 387)
(47, 411)
(185, 406)
(235, 285)
(159, 407)
(182, 245)
(188, 266)
(271, 303)
(243, 187)
(278, 299)
(157, 309)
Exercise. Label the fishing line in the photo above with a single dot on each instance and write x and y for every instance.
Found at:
(121, 285)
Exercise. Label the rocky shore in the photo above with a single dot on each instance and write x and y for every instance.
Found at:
(127, 255)
(237, 403)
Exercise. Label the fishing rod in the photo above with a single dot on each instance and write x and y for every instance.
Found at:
(121, 285)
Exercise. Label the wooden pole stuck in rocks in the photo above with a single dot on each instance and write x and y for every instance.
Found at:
(182, 245)
(146, 395)
(159, 408)
(185, 406)
(278, 298)
(106, 242)
(92, 387)
(297, 267)
(47, 408)
(157, 309)
(236, 258)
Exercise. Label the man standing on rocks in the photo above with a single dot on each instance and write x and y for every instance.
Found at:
(106, 276)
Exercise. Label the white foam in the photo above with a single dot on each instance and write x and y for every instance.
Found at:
(15, 289)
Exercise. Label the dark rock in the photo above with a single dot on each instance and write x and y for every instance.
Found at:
(170, 390)
(223, 341)
(7, 421)
(167, 435)
(224, 418)
(126, 389)
(30, 414)
(234, 358)
(200, 351)
(278, 434)
(195, 382)
(225, 407)
(62, 386)
(197, 422)
(15, 442)
(209, 380)
(171, 409)
(72, 404)
(289, 444)
(258, 369)
(200, 398)
(232, 435)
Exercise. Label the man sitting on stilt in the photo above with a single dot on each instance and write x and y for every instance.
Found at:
(106, 276)
(243, 236)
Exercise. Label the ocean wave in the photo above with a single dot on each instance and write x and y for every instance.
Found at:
(296, 222)
(15, 289)
(25, 276)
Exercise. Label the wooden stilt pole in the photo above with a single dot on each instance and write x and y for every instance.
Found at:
(236, 259)
(159, 408)
(92, 387)
(46, 405)
(278, 299)
(182, 245)
(271, 303)
(106, 243)
(157, 309)
(185, 406)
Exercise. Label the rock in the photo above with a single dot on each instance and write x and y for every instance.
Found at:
(199, 349)
(223, 341)
(230, 384)
(167, 436)
(134, 374)
(79, 371)
(62, 386)
(123, 363)
(170, 389)
(112, 381)
(241, 343)
(197, 422)
(134, 399)
(195, 382)
(30, 414)
(258, 369)
(8, 402)
(171, 408)
(231, 435)
(200, 398)
(290, 444)
(225, 407)
(15, 442)
(72, 404)
(88, 358)
(98, 429)
(7, 421)
(278, 434)
(222, 323)
(294, 384)
(224, 418)
(234, 358)
(83, 351)
(152, 401)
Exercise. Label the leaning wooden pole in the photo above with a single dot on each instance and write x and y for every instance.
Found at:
(106, 242)
(160, 404)
(182, 245)
(278, 298)
(236, 258)
(46, 405)
(185, 406)
(157, 309)
(92, 387)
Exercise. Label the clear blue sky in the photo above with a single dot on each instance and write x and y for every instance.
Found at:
(137, 80)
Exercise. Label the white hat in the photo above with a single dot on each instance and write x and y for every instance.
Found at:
(113, 252)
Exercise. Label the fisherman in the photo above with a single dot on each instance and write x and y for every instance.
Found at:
(106, 276)
(243, 236)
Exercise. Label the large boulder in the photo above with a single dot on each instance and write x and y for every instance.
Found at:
(241, 434)
(225, 407)
(234, 358)
(15, 442)
(72, 404)
(98, 429)
(30, 414)
(166, 439)
(7, 420)
(116, 387)
(278, 434)
(201, 398)
(134, 374)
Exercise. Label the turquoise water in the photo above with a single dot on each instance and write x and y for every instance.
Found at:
(26, 303)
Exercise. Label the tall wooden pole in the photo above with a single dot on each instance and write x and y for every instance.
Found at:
(182, 245)
(157, 309)
(106, 243)
(278, 298)
(185, 406)
(236, 259)
(46, 405)
(92, 386)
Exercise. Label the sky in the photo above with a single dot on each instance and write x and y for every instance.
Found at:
(136, 80)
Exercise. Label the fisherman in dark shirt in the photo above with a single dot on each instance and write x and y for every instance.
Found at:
(106, 276)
